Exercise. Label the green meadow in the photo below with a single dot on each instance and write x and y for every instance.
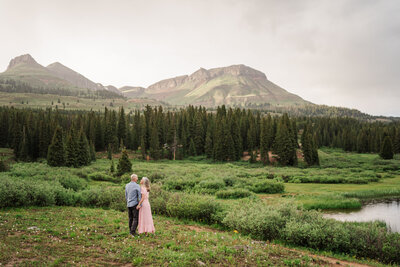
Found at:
(205, 212)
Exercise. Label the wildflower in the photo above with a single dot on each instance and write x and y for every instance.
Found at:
(235, 231)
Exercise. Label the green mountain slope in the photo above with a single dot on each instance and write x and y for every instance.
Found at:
(26, 70)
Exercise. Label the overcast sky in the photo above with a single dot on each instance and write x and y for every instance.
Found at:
(342, 53)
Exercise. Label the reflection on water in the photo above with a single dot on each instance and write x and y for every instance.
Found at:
(388, 211)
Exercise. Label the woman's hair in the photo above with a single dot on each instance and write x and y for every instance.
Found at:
(146, 183)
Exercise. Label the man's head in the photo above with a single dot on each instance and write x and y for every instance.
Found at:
(134, 178)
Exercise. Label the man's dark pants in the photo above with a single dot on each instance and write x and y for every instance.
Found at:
(133, 219)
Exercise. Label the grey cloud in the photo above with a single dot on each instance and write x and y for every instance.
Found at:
(342, 52)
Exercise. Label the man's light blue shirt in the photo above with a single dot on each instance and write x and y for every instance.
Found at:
(132, 194)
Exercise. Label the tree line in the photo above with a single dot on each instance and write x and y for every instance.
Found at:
(12, 86)
(222, 135)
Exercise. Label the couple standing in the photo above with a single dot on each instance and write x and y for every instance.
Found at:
(137, 200)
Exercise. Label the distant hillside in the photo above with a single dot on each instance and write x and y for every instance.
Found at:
(132, 92)
(25, 72)
(236, 85)
(25, 69)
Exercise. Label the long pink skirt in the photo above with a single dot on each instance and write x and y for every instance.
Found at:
(145, 219)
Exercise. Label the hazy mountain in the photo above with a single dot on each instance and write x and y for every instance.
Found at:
(72, 76)
(233, 85)
(25, 69)
(132, 92)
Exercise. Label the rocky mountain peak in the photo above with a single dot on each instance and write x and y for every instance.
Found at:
(200, 75)
(238, 70)
(27, 59)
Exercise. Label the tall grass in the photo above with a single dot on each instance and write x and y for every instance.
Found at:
(371, 194)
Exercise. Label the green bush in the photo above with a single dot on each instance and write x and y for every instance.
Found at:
(267, 187)
(15, 193)
(179, 184)
(258, 220)
(100, 176)
(229, 181)
(309, 228)
(73, 183)
(209, 186)
(158, 199)
(233, 193)
(4, 166)
(193, 207)
(105, 197)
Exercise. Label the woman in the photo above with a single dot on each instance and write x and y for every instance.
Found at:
(145, 219)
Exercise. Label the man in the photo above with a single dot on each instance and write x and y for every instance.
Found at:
(133, 196)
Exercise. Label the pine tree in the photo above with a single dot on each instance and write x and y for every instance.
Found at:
(192, 148)
(92, 152)
(83, 153)
(56, 153)
(23, 147)
(71, 149)
(386, 148)
(209, 144)
(396, 143)
(122, 129)
(112, 168)
(124, 164)
(264, 141)
(284, 146)
(142, 148)
(154, 144)
(109, 152)
(199, 135)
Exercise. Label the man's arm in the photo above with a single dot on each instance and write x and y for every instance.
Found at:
(126, 194)
(139, 195)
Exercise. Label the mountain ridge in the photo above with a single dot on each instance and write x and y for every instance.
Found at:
(231, 85)
(236, 85)
(26, 69)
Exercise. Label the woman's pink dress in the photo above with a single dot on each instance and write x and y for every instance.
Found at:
(145, 219)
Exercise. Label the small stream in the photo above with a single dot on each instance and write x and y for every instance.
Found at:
(387, 211)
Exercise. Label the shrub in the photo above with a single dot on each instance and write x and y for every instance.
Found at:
(73, 183)
(310, 229)
(158, 199)
(105, 197)
(193, 207)
(229, 181)
(15, 193)
(209, 186)
(268, 187)
(100, 176)
(233, 193)
(258, 220)
(3, 166)
(179, 184)
(155, 177)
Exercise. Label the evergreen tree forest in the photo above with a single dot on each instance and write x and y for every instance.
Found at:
(70, 138)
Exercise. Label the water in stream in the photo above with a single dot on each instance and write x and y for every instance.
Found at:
(387, 211)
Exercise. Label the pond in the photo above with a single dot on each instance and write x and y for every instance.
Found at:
(387, 211)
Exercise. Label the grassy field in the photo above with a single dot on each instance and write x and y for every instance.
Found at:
(54, 235)
(43, 101)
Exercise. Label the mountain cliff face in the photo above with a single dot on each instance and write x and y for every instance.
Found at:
(233, 85)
